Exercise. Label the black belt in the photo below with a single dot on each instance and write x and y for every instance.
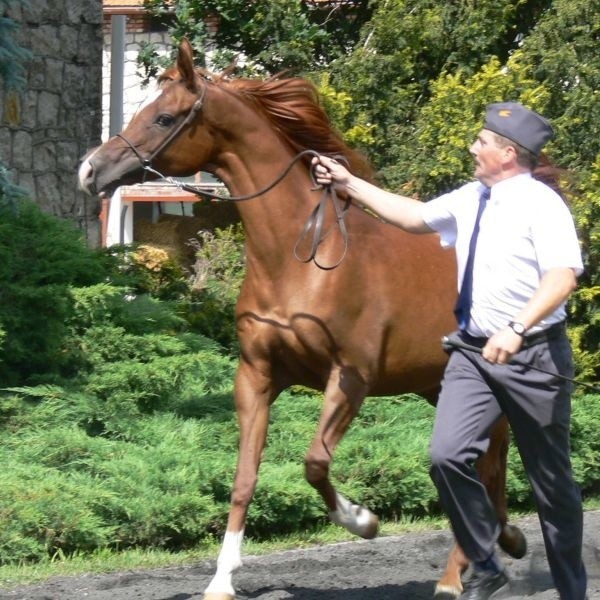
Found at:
(539, 337)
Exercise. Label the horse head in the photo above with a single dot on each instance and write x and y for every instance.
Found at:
(196, 122)
(166, 135)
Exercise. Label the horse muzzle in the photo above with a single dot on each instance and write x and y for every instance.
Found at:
(94, 178)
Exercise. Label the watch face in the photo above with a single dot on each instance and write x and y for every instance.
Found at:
(518, 328)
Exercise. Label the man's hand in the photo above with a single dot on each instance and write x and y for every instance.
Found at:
(329, 171)
(502, 346)
(402, 211)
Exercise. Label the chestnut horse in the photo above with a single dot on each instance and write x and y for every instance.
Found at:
(371, 326)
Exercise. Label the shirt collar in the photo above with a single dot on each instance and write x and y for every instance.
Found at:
(504, 186)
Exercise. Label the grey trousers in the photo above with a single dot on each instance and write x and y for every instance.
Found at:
(474, 396)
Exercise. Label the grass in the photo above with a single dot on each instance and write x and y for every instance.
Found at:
(106, 561)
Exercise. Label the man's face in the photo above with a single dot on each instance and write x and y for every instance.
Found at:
(489, 157)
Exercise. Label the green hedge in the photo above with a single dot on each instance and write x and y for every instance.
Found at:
(121, 430)
(40, 258)
(166, 482)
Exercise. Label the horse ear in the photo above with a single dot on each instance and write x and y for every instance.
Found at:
(185, 64)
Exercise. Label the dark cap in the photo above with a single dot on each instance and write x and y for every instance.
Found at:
(519, 124)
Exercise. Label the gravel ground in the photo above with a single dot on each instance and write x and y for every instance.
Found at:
(403, 567)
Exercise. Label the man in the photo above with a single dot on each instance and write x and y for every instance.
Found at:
(518, 260)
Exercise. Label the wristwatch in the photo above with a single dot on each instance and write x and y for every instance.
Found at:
(518, 328)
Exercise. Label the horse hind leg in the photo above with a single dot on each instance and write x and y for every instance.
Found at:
(492, 472)
(450, 586)
(343, 398)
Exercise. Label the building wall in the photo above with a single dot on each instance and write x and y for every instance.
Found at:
(59, 113)
(137, 31)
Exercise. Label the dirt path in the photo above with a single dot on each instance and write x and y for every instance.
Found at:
(398, 567)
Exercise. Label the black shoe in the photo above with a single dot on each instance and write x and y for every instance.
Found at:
(482, 584)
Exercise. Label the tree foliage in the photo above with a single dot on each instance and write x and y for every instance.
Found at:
(423, 74)
(408, 44)
(265, 36)
(12, 55)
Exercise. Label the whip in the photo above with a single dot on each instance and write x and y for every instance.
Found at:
(451, 343)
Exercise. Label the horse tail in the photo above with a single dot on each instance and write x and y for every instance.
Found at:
(556, 178)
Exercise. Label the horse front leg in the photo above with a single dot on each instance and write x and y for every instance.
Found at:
(253, 397)
(344, 395)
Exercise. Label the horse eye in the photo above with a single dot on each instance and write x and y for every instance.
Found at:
(164, 120)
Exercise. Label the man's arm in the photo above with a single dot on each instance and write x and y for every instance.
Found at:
(402, 211)
(555, 287)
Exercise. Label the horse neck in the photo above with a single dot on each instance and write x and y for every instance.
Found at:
(274, 220)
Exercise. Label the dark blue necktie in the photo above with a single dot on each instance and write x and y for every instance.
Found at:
(462, 309)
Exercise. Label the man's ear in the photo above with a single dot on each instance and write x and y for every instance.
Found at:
(509, 153)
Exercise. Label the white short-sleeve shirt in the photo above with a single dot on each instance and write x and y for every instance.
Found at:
(525, 230)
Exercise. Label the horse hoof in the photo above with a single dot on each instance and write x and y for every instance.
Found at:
(513, 541)
(366, 527)
(356, 519)
(217, 596)
(370, 529)
(446, 593)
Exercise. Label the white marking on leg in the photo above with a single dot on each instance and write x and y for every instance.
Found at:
(448, 590)
(230, 559)
(356, 519)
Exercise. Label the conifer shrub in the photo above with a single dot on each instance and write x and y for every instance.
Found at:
(283, 501)
(585, 443)
(585, 454)
(383, 461)
(45, 513)
(167, 483)
(135, 355)
(130, 440)
(40, 258)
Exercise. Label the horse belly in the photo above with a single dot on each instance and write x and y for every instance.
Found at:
(424, 380)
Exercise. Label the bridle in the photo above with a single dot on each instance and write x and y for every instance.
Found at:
(147, 162)
(315, 221)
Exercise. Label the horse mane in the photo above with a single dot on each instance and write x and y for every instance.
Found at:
(292, 106)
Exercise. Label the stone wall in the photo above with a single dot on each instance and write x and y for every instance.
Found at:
(58, 115)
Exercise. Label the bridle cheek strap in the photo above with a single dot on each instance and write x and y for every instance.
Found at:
(190, 117)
